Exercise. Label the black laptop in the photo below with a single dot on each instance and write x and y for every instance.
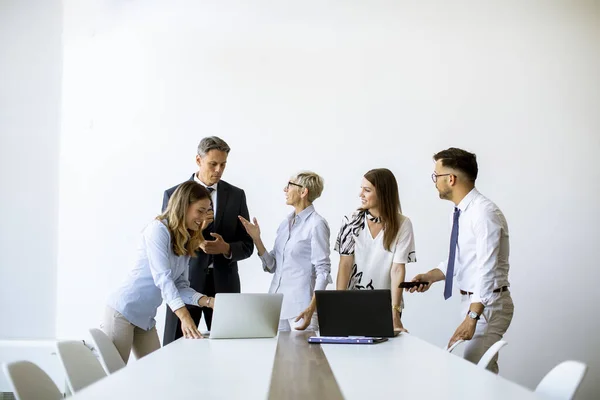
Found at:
(355, 313)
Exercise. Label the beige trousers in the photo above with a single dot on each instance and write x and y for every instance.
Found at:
(490, 328)
(127, 336)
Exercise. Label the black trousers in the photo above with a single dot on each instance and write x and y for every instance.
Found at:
(195, 311)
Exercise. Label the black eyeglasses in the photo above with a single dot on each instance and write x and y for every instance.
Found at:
(434, 176)
(294, 184)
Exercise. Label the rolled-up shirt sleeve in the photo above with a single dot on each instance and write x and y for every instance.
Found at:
(320, 255)
(158, 247)
(443, 266)
(268, 261)
(487, 230)
(268, 258)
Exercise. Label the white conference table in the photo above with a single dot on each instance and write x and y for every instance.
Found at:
(407, 367)
(404, 367)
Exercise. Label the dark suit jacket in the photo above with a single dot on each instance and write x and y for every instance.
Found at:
(231, 202)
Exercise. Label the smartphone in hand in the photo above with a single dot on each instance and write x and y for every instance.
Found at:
(408, 285)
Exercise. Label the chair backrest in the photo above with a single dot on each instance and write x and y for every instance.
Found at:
(109, 355)
(454, 345)
(82, 368)
(30, 382)
(562, 381)
(487, 357)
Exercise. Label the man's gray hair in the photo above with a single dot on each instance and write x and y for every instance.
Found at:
(212, 143)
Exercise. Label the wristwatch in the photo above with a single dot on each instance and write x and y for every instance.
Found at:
(473, 315)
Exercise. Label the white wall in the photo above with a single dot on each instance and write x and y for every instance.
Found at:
(30, 89)
(339, 89)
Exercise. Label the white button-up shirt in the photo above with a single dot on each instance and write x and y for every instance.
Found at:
(159, 274)
(213, 195)
(481, 263)
(213, 199)
(299, 260)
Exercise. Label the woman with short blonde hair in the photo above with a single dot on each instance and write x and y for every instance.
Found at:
(312, 182)
(299, 260)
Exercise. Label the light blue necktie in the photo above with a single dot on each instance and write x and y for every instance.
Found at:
(452, 255)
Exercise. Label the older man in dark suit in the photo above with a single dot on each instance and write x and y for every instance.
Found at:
(214, 269)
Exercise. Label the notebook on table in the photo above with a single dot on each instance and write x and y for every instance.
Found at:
(346, 339)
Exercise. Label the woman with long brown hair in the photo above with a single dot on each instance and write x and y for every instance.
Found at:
(160, 273)
(376, 242)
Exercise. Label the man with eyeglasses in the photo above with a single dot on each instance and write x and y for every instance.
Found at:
(478, 257)
(214, 269)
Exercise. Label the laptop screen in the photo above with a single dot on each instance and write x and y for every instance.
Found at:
(355, 313)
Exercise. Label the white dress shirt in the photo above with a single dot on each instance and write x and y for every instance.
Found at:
(159, 274)
(481, 263)
(299, 260)
(213, 195)
(213, 199)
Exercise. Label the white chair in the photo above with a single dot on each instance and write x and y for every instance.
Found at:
(454, 345)
(486, 358)
(82, 368)
(30, 382)
(562, 382)
(109, 355)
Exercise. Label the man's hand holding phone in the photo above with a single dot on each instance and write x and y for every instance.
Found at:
(420, 283)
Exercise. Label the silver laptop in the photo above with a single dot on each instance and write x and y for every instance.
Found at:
(246, 315)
